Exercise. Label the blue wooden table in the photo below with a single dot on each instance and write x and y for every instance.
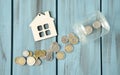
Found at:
(101, 57)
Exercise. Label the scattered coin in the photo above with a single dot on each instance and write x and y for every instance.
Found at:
(40, 53)
(30, 53)
(20, 60)
(73, 39)
(60, 55)
(38, 62)
(31, 61)
(69, 48)
(96, 24)
(35, 57)
(64, 39)
(55, 47)
(49, 55)
(26, 53)
(88, 30)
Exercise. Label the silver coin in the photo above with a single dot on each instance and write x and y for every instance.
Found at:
(55, 47)
(97, 24)
(38, 62)
(31, 61)
(49, 55)
(26, 53)
(88, 29)
(64, 39)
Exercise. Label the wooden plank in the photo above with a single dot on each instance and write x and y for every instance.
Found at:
(24, 13)
(5, 37)
(111, 42)
(85, 60)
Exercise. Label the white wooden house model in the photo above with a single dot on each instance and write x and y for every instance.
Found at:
(43, 26)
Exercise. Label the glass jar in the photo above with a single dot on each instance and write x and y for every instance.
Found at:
(92, 27)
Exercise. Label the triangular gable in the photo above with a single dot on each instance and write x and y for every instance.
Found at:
(41, 17)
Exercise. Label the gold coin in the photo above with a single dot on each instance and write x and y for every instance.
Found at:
(40, 53)
(88, 30)
(69, 48)
(25, 53)
(31, 61)
(30, 53)
(96, 24)
(73, 39)
(35, 57)
(20, 60)
(64, 39)
(55, 47)
(60, 55)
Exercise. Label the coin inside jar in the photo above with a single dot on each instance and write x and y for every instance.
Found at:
(25, 53)
(20, 60)
(73, 39)
(97, 24)
(55, 47)
(60, 55)
(69, 48)
(64, 39)
(88, 30)
(31, 61)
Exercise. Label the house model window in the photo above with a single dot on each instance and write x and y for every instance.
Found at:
(43, 27)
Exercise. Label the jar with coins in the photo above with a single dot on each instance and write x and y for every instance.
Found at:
(93, 26)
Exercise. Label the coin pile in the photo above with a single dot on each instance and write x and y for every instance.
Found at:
(89, 28)
(69, 41)
(35, 58)
(31, 58)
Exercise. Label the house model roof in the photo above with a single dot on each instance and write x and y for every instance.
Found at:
(41, 19)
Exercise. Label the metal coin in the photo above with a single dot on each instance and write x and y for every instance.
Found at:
(40, 53)
(88, 30)
(64, 39)
(60, 55)
(25, 53)
(38, 62)
(96, 24)
(20, 60)
(73, 39)
(35, 57)
(31, 61)
(30, 53)
(69, 48)
(55, 47)
(49, 55)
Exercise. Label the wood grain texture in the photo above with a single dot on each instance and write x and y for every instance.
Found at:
(24, 13)
(85, 60)
(111, 42)
(5, 37)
